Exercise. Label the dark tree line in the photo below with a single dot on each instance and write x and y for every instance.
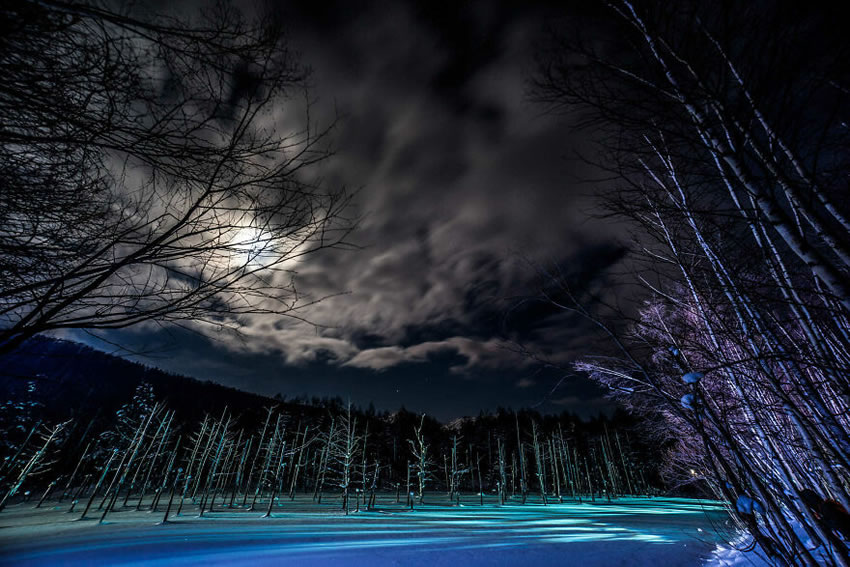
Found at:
(145, 454)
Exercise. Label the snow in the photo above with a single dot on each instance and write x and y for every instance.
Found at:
(742, 553)
(628, 531)
(692, 377)
(733, 555)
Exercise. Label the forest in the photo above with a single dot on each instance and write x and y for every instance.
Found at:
(57, 448)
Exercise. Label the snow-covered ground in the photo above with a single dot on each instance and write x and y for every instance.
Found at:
(660, 532)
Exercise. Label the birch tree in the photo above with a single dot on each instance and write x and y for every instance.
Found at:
(344, 448)
(727, 166)
(422, 462)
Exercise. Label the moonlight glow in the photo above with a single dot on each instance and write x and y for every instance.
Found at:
(251, 247)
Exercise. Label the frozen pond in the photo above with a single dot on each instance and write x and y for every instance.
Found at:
(663, 532)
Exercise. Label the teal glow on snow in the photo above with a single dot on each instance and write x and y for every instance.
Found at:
(656, 530)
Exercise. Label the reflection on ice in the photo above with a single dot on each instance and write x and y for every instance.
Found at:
(670, 529)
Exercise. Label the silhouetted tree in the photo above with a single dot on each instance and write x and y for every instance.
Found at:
(152, 168)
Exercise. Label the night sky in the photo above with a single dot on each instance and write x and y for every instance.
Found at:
(464, 185)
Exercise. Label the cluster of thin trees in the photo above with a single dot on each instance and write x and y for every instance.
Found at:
(726, 130)
(149, 460)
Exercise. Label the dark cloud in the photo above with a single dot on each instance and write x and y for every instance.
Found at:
(465, 186)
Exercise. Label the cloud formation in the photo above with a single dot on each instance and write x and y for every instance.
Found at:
(461, 180)
(490, 353)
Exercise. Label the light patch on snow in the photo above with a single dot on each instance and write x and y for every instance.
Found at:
(628, 531)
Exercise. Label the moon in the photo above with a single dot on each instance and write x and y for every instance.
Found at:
(250, 246)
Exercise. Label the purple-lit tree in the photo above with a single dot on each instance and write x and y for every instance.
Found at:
(729, 145)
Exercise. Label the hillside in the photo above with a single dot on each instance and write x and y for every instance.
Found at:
(71, 379)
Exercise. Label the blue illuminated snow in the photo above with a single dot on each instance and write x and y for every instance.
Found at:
(675, 531)
(692, 377)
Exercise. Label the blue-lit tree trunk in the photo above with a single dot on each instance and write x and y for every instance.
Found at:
(728, 167)
(422, 464)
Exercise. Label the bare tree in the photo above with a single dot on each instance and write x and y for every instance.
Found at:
(422, 462)
(456, 473)
(503, 478)
(344, 448)
(523, 483)
(717, 84)
(728, 169)
(539, 462)
(152, 169)
(35, 462)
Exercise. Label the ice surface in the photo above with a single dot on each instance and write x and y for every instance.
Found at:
(630, 531)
